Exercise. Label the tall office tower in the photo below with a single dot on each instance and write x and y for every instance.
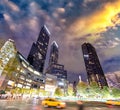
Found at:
(53, 53)
(38, 50)
(93, 67)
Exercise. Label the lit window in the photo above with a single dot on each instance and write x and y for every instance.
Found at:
(36, 72)
(22, 77)
(40, 56)
(24, 64)
(11, 83)
(27, 87)
(28, 80)
(19, 85)
(28, 84)
(30, 69)
(86, 56)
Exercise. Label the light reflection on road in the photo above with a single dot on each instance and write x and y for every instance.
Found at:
(23, 105)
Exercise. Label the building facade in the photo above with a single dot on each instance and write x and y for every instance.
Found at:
(38, 50)
(93, 67)
(54, 68)
(57, 70)
(53, 53)
(15, 70)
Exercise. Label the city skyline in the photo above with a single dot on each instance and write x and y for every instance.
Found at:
(96, 22)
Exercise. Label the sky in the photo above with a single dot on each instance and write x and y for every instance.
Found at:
(71, 23)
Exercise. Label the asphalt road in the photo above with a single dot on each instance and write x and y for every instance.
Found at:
(25, 105)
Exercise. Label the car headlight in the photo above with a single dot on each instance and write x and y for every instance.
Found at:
(62, 103)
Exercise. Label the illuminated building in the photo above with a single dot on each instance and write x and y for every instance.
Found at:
(7, 53)
(53, 53)
(54, 68)
(15, 70)
(38, 50)
(93, 67)
(57, 70)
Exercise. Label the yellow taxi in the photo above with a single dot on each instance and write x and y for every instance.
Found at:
(113, 102)
(52, 102)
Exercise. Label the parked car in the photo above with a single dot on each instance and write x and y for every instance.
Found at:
(48, 102)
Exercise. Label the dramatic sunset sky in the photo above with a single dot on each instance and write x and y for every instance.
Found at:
(71, 23)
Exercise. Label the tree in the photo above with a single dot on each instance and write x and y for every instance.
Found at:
(105, 92)
(94, 89)
(81, 87)
(70, 91)
(115, 92)
(2, 92)
(10, 69)
(58, 92)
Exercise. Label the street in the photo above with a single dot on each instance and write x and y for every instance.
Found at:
(23, 105)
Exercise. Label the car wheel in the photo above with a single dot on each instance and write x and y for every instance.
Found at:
(58, 106)
(45, 105)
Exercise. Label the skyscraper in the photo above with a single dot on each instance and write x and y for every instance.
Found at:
(53, 53)
(93, 67)
(38, 50)
(54, 68)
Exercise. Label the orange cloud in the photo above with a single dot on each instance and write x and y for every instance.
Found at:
(97, 22)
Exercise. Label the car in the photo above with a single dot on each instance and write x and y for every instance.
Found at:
(113, 102)
(52, 102)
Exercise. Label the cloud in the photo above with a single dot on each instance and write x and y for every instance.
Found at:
(112, 64)
(66, 28)
(108, 44)
(60, 10)
(7, 17)
(70, 4)
(62, 20)
(33, 8)
(10, 21)
(85, 2)
(12, 6)
(99, 21)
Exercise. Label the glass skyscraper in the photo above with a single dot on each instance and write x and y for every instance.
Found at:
(93, 67)
(53, 53)
(54, 68)
(38, 50)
